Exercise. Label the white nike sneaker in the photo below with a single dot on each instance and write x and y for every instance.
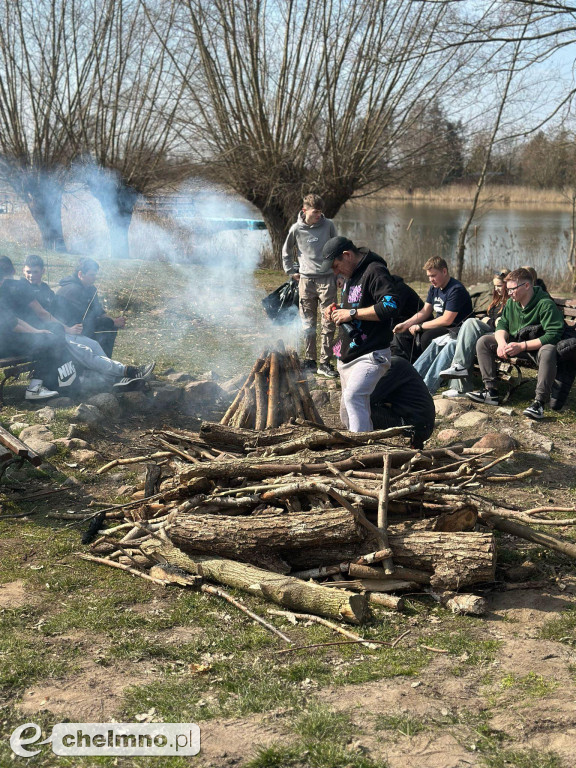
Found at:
(39, 392)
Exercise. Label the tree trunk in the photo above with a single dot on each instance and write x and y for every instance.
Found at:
(292, 593)
(43, 196)
(241, 537)
(117, 200)
(277, 224)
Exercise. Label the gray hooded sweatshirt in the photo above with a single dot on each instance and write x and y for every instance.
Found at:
(309, 240)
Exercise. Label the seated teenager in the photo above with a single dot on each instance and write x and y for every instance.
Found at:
(86, 351)
(527, 306)
(18, 338)
(447, 305)
(450, 357)
(401, 398)
(78, 303)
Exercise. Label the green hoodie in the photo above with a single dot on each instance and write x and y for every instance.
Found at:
(540, 310)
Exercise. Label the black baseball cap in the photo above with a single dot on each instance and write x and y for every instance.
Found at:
(336, 246)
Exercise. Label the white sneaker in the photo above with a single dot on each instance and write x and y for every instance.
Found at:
(453, 393)
(454, 372)
(39, 393)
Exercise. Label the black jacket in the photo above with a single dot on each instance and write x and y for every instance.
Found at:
(371, 284)
(78, 304)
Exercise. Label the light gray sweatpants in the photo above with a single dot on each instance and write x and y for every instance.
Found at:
(358, 380)
(91, 355)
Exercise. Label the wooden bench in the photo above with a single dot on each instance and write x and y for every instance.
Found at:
(12, 368)
(510, 371)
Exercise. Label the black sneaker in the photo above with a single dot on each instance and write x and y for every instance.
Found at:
(140, 371)
(534, 411)
(326, 370)
(309, 365)
(485, 396)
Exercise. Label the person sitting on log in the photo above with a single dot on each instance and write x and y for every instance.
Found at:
(452, 357)
(449, 302)
(37, 305)
(527, 306)
(402, 398)
(78, 303)
(367, 309)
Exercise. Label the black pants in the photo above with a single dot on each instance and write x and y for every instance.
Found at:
(104, 332)
(44, 348)
(411, 347)
(384, 416)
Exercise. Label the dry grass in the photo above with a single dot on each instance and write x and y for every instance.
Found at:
(461, 195)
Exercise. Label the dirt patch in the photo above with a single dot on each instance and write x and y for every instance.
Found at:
(231, 742)
(16, 594)
(92, 695)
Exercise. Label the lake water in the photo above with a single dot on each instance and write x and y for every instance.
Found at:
(406, 234)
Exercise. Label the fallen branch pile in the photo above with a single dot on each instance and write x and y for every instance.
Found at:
(316, 520)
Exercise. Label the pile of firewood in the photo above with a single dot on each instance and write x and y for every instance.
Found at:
(274, 392)
(318, 521)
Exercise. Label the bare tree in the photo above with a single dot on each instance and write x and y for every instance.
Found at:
(128, 131)
(41, 77)
(293, 96)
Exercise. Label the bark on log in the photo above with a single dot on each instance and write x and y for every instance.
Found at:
(391, 602)
(371, 572)
(261, 402)
(283, 590)
(239, 537)
(548, 540)
(454, 560)
(273, 392)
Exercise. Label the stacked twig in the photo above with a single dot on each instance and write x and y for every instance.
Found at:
(319, 521)
(273, 393)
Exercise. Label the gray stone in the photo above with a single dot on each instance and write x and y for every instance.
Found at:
(497, 441)
(320, 397)
(89, 414)
(74, 431)
(168, 397)
(17, 426)
(209, 376)
(471, 419)
(46, 414)
(61, 402)
(502, 411)
(179, 377)
(136, 401)
(106, 403)
(83, 456)
(233, 385)
(63, 441)
(448, 435)
(446, 407)
(41, 447)
(37, 432)
(199, 394)
(335, 397)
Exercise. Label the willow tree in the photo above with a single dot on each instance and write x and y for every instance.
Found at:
(129, 130)
(293, 96)
(47, 50)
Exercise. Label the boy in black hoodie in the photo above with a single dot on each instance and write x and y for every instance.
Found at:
(368, 309)
(77, 301)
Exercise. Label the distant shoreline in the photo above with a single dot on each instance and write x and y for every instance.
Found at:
(459, 196)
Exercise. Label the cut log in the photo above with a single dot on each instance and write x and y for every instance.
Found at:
(292, 593)
(456, 559)
(370, 572)
(240, 537)
(391, 602)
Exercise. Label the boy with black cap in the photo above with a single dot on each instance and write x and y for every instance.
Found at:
(368, 307)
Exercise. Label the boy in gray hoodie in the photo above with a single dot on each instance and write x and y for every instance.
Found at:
(316, 287)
